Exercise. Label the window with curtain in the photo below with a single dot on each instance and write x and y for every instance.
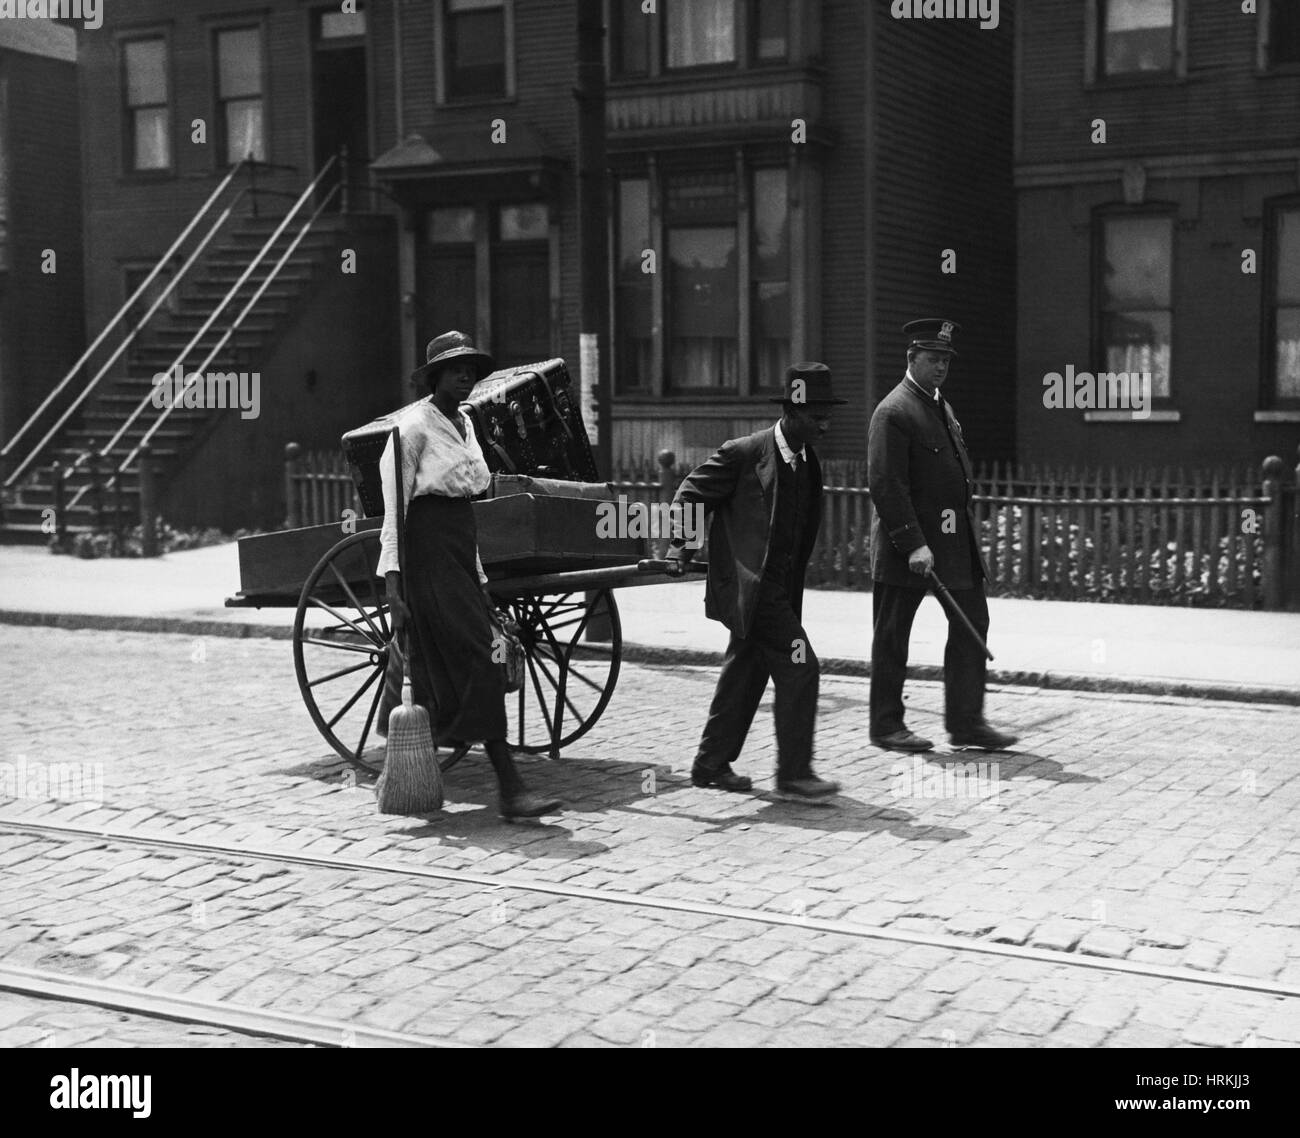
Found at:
(1137, 37)
(239, 94)
(476, 49)
(770, 268)
(633, 288)
(1135, 296)
(148, 121)
(1285, 314)
(701, 289)
(700, 32)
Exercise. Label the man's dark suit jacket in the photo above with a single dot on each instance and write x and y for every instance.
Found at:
(917, 470)
(737, 488)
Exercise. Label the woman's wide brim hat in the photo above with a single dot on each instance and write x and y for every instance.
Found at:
(808, 383)
(448, 348)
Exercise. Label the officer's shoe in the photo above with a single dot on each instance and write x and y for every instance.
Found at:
(723, 779)
(902, 740)
(984, 737)
(806, 789)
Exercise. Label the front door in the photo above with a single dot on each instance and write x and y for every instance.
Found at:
(340, 104)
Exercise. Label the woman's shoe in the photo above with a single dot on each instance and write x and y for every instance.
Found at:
(526, 804)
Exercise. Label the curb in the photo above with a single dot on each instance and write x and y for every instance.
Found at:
(650, 654)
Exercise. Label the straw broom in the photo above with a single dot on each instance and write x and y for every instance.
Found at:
(412, 780)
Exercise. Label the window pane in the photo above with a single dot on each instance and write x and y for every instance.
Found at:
(771, 37)
(335, 25)
(152, 150)
(703, 307)
(700, 32)
(472, 5)
(632, 39)
(771, 225)
(451, 226)
(1137, 262)
(244, 131)
(1139, 342)
(1288, 257)
(702, 198)
(524, 222)
(146, 72)
(771, 331)
(1139, 36)
(239, 62)
(633, 226)
(1287, 360)
(477, 54)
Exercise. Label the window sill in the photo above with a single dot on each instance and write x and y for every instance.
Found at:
(1136, 82)
(1128, 417)
(475, 101)
(1292, 416)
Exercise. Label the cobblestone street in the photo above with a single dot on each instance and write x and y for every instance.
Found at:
(1155, 832)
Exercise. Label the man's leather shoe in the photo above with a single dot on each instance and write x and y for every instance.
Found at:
(808, 787)
(902, 740)
(526, 804)
(724, 779)
(983, 736)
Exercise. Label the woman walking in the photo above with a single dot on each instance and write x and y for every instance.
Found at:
(453, 673)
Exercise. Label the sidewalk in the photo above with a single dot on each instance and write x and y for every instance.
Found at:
(1215, 653)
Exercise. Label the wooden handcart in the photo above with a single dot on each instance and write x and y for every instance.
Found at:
(548, 568)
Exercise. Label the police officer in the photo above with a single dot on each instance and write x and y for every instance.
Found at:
(921, 483)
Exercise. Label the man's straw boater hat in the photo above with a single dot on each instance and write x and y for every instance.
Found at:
(807, 383)
(932, 335)
(448, 348)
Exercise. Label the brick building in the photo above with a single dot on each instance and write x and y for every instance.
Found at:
(796, 168)
(1132, 251)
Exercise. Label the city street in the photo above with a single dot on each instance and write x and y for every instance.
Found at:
(1131, 829)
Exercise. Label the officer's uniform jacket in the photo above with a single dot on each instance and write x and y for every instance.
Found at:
(738, 489)
(918, 468)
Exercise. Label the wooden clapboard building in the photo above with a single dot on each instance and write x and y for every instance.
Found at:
(1173, 246)
(787, 179)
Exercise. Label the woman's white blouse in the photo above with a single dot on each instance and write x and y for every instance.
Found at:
(435, 460)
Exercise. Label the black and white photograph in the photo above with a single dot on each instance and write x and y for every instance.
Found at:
(651, 524)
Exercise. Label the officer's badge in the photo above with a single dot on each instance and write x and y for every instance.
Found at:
(945, 332)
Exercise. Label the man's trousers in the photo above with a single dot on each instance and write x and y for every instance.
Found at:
(964, 663)
(777, 646)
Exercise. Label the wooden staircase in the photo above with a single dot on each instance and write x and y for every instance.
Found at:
(88, 505)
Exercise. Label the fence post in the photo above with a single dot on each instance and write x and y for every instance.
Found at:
(57, 476)
(96, 485)
(148, 505)
(1291, 549)
(293, 515)
(667, 488)
(1274, 532)
(344, 197)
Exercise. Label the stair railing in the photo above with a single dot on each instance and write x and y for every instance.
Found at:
(81, 397)
(147, 399)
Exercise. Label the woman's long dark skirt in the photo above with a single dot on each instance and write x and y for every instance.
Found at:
(453, 673)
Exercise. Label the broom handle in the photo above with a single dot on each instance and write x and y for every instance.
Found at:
(403, 649)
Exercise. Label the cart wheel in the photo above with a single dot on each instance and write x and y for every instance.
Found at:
(341, 662)
(567, 681)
